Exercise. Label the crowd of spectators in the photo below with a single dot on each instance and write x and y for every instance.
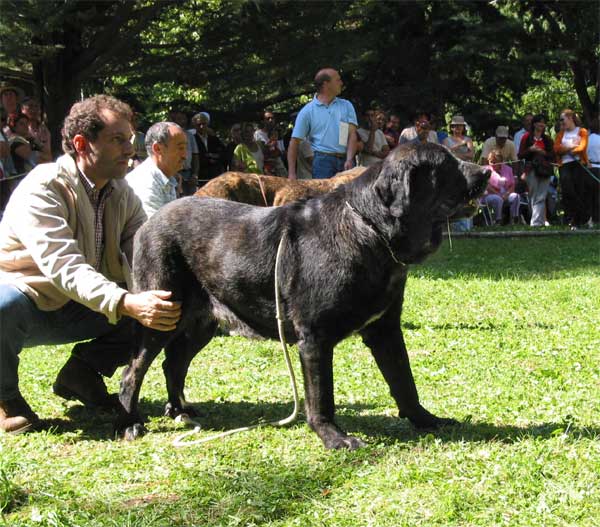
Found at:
(528, 167)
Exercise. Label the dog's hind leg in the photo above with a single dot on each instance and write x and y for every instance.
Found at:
(317, 367)
(129, 422)
(178, 356)
(384, 338)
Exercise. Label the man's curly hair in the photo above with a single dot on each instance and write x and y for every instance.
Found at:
(85, 118)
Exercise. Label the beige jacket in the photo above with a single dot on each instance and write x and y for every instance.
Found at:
(47, 240)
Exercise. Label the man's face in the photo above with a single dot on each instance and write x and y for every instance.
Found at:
(500, 141)
(422, 127)
(248, 133)
(236, 133)
(32, 110)
(171, 157)
(394, 122)
(335, 85)
(380, 120)
(527, 121)
(106, 157)
(22, 127)
(9, 100)
(269, 120)
(202, 125)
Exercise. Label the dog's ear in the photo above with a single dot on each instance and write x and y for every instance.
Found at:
(393, 186)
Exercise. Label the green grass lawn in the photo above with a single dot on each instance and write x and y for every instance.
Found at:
(503, 335)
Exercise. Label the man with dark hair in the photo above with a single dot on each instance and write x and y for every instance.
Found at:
(329, 123)
(526, 127)
(266, 125)
(154, 180)
(38, 131)
(65, 242)
(421, 122)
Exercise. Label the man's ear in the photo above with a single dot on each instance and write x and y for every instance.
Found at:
(80, 143)
(157, 149)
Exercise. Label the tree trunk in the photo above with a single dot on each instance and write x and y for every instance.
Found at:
(60, 85)
(587, 105)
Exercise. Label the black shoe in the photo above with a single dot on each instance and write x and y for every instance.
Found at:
(77, 380)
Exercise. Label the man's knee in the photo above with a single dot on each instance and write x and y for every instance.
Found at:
(106, 353)
(15, 311)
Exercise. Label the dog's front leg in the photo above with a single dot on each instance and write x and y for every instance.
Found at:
(384, 338)
(129, 422)
(178, 356)
(317, 368)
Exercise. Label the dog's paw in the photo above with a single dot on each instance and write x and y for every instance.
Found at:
(174, 411)
(425, 420)
(133, 432)
(344, 443)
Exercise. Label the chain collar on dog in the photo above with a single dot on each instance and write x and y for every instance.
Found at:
(377, 232)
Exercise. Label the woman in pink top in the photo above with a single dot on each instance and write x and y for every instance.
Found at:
(500, 189)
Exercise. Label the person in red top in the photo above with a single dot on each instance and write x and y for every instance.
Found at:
(570, 147)
(536, 149)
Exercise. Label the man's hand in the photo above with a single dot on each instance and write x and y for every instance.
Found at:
(152, 309)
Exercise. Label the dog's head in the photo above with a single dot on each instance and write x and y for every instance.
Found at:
(422, 186)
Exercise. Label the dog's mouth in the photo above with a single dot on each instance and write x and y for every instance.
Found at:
(468, 210)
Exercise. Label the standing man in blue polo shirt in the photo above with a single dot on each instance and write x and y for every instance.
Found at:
(330, 124)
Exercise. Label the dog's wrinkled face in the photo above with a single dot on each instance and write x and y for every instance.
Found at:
(423, 186)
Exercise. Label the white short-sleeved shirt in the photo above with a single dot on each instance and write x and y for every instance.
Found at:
(366, 160)
(593, 150)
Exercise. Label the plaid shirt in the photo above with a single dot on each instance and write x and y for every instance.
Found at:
(98, 200)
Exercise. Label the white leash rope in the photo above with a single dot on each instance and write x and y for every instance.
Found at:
(180, 440)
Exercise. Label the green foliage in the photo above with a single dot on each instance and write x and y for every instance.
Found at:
(11, 495)
(238, 57)
(549, 94)
(502, 335)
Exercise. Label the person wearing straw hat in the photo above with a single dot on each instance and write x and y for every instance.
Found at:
(10, 97)
(500, 141)
(458, 142)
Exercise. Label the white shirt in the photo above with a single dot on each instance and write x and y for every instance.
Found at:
(410, 133)
(261, 135)
(570, 138)
(152, 187)
(517, 139)
(593, 150)
(366, 160)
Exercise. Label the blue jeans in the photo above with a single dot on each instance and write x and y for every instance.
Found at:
(324, 167)
(23, 325)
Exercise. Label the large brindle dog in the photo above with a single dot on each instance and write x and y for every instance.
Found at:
(343, 267)
(268, 191)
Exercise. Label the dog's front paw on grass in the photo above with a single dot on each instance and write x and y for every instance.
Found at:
(422, 419)
(174, 411)
(345, 443)
(129, 430)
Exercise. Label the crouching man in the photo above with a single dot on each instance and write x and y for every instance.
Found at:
(65, 242)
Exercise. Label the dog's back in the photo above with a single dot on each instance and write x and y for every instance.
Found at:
(259, 190)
